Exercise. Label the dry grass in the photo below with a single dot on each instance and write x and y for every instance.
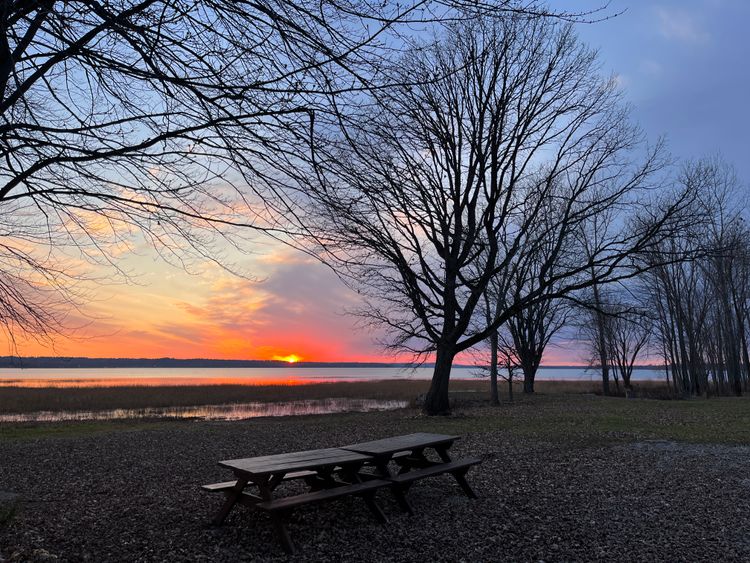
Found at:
(33, 399)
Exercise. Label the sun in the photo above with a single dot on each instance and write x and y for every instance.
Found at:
(290, 359)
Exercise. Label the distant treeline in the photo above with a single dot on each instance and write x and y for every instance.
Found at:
(52, 362)
(62, 362)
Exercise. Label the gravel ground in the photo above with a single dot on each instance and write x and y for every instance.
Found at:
(133, 495)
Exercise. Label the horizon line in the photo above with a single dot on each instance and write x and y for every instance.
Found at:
(274, 363)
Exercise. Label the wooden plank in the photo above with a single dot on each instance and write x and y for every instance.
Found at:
(296, 461)
(227, 485)
(394, 444)
(287, 503)
(219, 487)
(304, 454)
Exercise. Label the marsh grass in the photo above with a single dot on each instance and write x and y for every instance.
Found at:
(34, 399)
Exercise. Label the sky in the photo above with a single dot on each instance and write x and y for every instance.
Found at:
(685, 68)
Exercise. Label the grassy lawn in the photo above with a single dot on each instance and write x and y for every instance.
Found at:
(589, 419)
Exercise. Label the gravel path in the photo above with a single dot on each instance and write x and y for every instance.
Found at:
(134, 496)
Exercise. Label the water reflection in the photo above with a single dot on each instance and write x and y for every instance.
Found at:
(239, 411)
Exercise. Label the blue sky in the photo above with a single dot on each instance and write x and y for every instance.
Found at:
(685, 67)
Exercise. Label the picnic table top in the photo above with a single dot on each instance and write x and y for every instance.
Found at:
(294, 461)
(401, 443)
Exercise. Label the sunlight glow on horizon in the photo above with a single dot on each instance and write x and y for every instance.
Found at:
(290, 359)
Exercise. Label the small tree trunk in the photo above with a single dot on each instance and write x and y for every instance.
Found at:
(626, 375)
(601, 341)
(494, 397)
(437, 400)
(510, 383)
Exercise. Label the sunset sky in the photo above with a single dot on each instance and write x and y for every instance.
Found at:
(684, 66)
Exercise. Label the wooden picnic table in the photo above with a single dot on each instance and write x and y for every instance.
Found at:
(336, 472)
(410, 454)
(330, 473)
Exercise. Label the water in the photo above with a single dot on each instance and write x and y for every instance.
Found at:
(117, 377)
(239, 411)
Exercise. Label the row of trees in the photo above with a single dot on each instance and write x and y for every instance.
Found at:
(701, 307)
(687, 308)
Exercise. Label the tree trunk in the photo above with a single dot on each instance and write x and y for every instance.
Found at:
(510, 384)
(602, 341)
(437, 400)
(529, 373)
(494, 398)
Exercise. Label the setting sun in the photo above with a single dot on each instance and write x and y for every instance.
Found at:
(291, 358)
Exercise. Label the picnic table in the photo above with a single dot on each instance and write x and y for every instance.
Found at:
(330, 473)
(333, 473)
(410, 453)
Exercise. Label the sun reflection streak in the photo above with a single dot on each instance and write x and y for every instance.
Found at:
(171, 381)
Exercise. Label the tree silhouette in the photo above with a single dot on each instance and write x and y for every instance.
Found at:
(501, 119)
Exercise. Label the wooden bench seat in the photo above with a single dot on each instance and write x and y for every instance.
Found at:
(229, 485)
(288, 503)
(457, 468)
(278, 507)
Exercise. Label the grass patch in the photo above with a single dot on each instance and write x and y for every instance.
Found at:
(606, 419)
(587, 420)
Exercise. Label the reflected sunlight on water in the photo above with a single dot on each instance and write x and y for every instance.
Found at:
(165, 381)
(238, 411)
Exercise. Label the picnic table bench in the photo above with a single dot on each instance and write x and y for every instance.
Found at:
(333, 473)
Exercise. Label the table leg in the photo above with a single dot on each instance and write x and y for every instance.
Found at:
(463, 483)
(351, 474)
(381, 465)
(369, 498)
(459, 476)
(442, 451)
(232, 496)
(266, 493)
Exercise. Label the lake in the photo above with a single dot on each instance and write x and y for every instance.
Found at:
(108, 377)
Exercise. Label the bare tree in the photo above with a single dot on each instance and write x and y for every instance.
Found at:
(531, 328)
(490, 123)
(502, 363)
(629, 333)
